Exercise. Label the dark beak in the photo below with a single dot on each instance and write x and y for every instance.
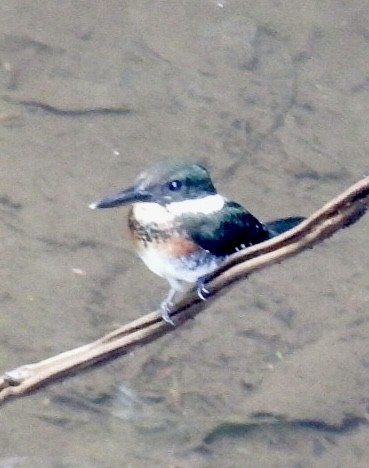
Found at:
(131, 195)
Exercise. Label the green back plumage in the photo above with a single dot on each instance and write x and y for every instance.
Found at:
(227, 231)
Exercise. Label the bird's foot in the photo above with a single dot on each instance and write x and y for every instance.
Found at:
(202, 291)
(165, 307)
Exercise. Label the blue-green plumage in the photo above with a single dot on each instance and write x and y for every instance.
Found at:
(230, 229)
(182, 228)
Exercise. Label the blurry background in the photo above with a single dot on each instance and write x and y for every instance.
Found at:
(273, 97)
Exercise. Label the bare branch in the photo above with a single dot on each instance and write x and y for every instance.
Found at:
(339, 213)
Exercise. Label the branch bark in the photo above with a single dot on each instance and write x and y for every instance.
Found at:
(341, 212)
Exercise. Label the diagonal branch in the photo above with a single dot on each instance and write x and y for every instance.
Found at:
(339, 213)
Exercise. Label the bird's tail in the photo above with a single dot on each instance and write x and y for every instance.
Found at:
(279, 226)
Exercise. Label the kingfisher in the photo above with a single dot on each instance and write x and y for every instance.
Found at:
(182, 228)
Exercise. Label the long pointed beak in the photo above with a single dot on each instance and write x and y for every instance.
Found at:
(130, 195)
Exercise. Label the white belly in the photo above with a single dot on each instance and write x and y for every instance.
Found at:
(183, 269)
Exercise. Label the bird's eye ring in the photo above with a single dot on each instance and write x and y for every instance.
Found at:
(174, 185)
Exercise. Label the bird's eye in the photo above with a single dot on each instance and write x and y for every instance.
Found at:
(174, 185)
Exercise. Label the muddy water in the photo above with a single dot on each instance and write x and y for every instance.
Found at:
(273, 97)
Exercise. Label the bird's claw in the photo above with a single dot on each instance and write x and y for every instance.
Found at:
(165, 312)
(202, 291)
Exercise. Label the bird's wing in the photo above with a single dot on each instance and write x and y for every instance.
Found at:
(224, 232)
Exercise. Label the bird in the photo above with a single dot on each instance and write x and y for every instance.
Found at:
(182, 228)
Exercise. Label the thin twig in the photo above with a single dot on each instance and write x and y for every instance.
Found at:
(341, 212)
